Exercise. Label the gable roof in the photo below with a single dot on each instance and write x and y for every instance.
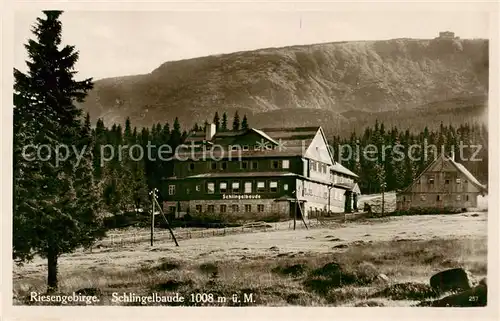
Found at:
(337, 167)
(292, 141)
(460, 168)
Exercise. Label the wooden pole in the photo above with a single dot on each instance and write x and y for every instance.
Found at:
(302, 214)
(152, 217)
(168, 224)
(294, 215)
(383, 198)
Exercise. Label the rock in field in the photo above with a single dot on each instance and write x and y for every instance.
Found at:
(452, 279)
(382, 278)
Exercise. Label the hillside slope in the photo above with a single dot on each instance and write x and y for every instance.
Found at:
(338, 85)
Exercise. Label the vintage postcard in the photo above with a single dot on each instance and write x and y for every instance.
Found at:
(238, 155)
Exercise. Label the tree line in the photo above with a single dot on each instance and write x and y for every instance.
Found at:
(397, 171)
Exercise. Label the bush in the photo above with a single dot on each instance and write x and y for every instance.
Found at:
(426, 211)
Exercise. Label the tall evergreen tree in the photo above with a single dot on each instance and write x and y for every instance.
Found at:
(55, 204)
(217, 121)
(224, 122)
(236, 122)
(244, 122)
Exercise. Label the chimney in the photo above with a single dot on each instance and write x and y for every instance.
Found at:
(210, 131)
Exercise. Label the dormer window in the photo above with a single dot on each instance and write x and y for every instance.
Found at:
(245, 147)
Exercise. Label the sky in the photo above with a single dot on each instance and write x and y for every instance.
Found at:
(119, 43)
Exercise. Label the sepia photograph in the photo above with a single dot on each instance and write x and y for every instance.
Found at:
(266, 158)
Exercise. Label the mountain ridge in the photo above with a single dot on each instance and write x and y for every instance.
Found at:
(318, 82)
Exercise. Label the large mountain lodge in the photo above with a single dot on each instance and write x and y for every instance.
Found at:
(254, 173)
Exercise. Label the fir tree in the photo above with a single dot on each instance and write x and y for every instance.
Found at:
(217, 121)
(244, 122)
(224, 122)
(236, 122)
(56, 208)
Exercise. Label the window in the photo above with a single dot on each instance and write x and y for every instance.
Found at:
(467, 198)
(458, 198)
(171, 209)
(191, 166)
(248, 187)
(418, 181)
(447, 181)
(210, 209)
(223, 187)
(210, 188)
(285, 163)
(188, 190)
(223, 208)
(248, 208)
(198, 208)
(273, 187)
(458, 181)
(431, 180)
(314, 166)
(223, 165)
(235, 187)
(438, 197)
(275, 164)
(260, 208)
(404, 198)
(255, 165)
(198, 188)
(325, 195)
(245, 147)
(422, 197)
(235, 208)
(285, 187)
(261, 187)
(244, 165)
(171, 189)
(213, 165)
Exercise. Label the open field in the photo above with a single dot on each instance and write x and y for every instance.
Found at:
(279, 267)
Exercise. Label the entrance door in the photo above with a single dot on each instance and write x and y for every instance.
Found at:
(348, 202)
